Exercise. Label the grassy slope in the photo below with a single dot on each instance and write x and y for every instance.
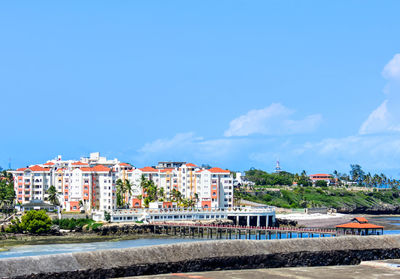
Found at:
(301, 197)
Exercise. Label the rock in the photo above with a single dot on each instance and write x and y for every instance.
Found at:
(55, 229)
(285, 222)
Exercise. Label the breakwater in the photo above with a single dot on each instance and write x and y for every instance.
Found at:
(200, 256)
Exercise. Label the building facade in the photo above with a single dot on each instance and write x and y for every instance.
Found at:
(91, 183)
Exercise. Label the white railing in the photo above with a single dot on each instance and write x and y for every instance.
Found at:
(237, 210)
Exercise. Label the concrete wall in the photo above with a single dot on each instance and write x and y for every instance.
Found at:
(206, 255)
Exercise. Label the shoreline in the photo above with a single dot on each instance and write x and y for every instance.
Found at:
(331, 220)
(70, 238)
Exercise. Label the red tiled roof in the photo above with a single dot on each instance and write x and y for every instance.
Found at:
(166, 170)
(21, 169)
(148, 169)
(218, 170)
(190, 165)
(100, 168)
(86, 169)
(97, 168)
(359, 226)
(126, 164)
(79, 164)
(321, 174)
(38, 168)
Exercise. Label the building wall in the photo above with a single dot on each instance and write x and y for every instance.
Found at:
(95, 185)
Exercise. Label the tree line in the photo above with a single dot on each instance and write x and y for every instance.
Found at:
(356, 176)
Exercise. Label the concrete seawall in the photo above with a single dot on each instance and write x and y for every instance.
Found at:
(206, 255)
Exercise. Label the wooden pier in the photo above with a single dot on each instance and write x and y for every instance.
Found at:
(237, 232)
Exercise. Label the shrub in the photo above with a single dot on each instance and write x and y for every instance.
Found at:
(73, 224)
(35, 222)
(321, 183)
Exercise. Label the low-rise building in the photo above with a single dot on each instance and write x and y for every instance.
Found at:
(322, 177)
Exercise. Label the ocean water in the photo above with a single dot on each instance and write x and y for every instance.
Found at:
(34, 250)
(43, 249)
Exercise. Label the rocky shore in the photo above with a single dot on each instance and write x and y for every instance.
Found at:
(384, 209)
(106, 232)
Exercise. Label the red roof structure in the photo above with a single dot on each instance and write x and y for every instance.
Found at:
(361, 220)
(148, 169)
(167, 170)
(79, 164)
(355, 225)
(218, 170)
(359, 226)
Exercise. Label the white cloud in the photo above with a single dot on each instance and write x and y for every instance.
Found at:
(392, 69)
(159, 145)
(386, 117)
(189, 147)
(272, 120)
(377, 121)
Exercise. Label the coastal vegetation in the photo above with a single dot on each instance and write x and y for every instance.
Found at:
(77, 224)
(332, 197)
(34, 222)
(7, 193)
(356, 176)
(38, 222)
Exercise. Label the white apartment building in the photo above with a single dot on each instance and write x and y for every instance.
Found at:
(90, 183)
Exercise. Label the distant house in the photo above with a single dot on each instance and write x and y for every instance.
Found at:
(322, 176)
(359, 226)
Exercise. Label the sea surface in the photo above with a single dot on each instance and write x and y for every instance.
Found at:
(34, 250)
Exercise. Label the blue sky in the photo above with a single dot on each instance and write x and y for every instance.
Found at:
(237, 84)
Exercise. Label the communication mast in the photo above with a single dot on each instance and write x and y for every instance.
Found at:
(278, 167)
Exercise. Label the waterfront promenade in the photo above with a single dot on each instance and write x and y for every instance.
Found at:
(204, 256)
(365, 270)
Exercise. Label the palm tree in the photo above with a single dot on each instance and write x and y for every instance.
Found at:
(196, 198)
(121, 189)
(124, 191)
(161, 194)
(53, 195)
(176, 195)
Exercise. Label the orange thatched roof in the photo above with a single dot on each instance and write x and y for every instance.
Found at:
(359, 226)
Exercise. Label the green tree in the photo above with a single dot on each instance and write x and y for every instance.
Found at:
(150, 190)
(35, 222)
(321, 183)
(124, 190)
(107, 216)
(7, 193)
(356, 173)
(53, 195)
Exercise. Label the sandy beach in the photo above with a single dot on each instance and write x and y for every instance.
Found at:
(317, 220)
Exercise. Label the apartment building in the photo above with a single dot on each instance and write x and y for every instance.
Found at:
(90, 183)
(211, 188)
